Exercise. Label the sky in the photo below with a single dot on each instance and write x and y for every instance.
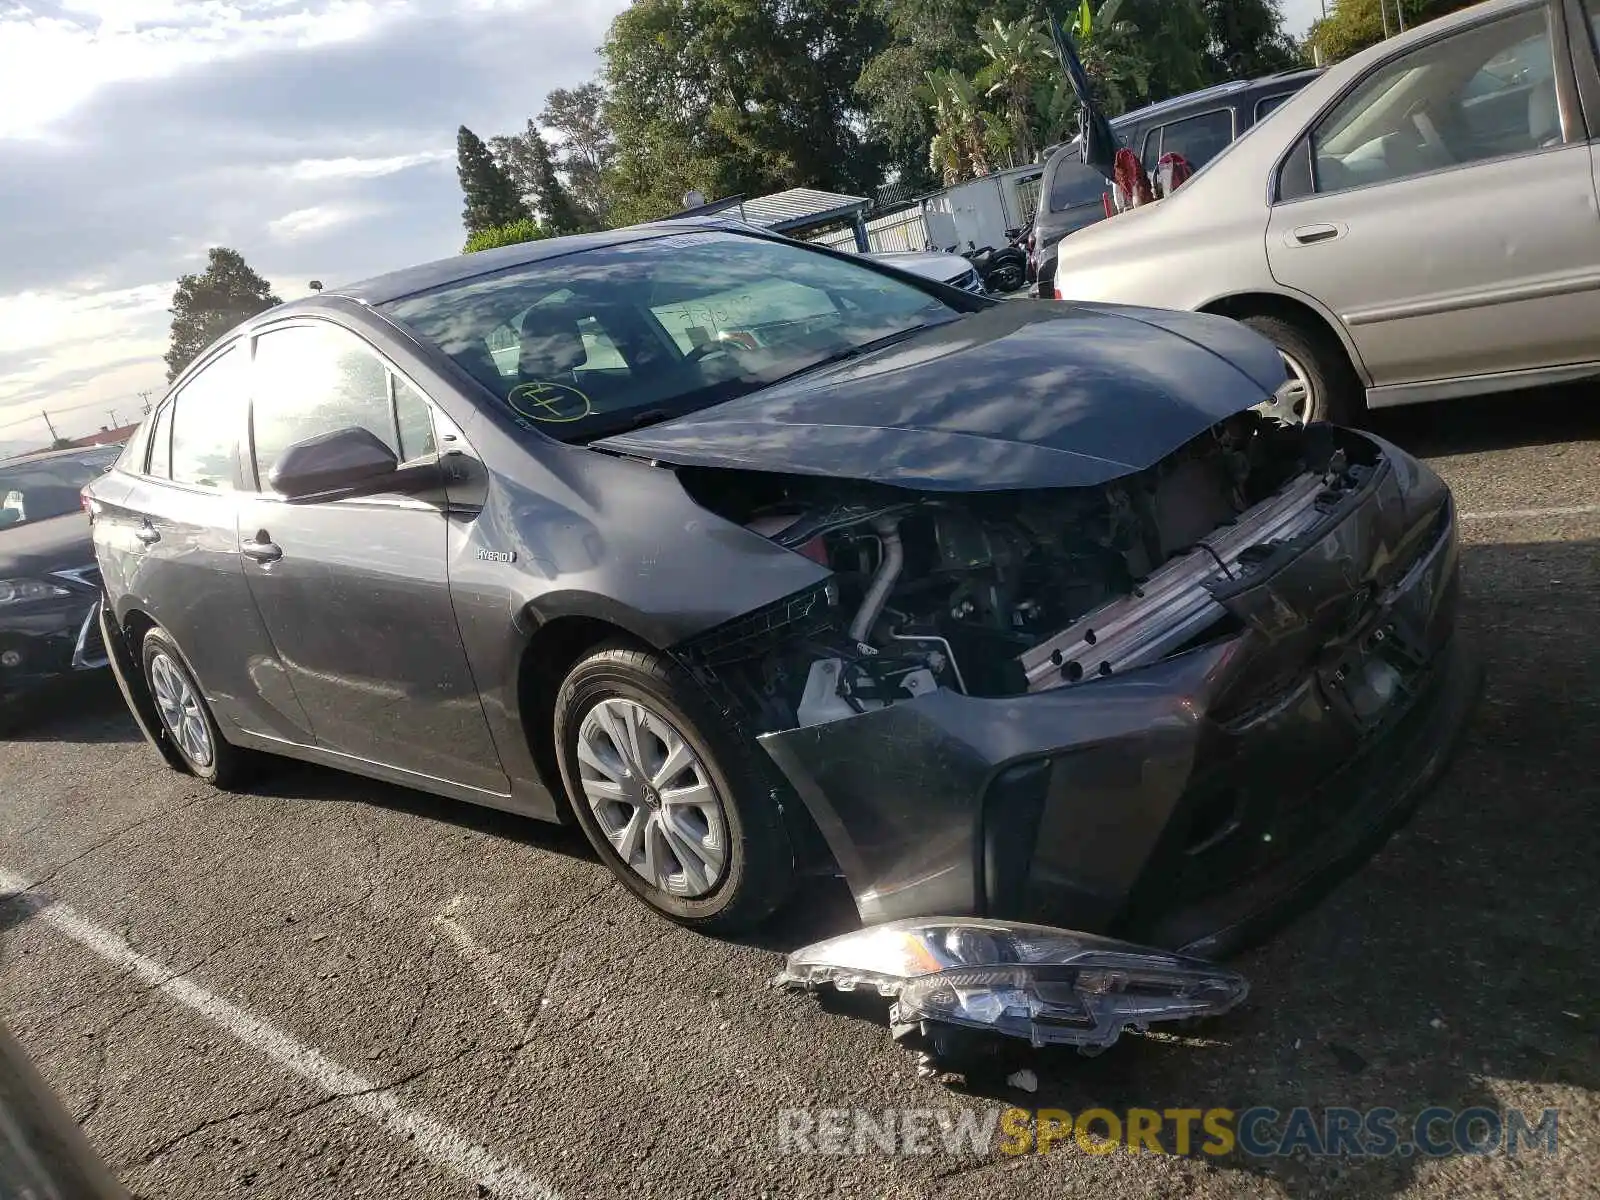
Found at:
(316, 137)
(1298, 14)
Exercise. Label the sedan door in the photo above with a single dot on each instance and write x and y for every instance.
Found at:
(1444, 209)
(168, 544)
(354, 592)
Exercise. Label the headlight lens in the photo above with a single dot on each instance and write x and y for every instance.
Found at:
(1034, 982)
(19, 591)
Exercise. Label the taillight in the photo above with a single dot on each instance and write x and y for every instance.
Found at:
(816, 550)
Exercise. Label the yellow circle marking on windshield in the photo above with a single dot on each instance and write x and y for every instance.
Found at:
(550, 402)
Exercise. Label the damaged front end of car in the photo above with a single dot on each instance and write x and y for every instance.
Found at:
(1160, 709)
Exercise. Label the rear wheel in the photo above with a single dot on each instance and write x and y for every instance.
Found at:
(1005, 278)
(186, 720)
(1321, 386)
(678, 807)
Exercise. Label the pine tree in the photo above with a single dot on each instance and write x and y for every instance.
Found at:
(208, 304)
(525, 159)
(491, 196)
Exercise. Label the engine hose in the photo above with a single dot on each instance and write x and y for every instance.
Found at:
(894, 558)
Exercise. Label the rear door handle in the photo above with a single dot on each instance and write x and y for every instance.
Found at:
(1310, 235)
(148, 534)
(261, 550)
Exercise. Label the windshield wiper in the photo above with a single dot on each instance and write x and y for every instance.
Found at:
(626, 424)
(883, 343)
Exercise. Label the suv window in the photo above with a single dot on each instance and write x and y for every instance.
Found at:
(314, 379)
(205, 424)
(1267, 103)
(1484, 93)
(1075, 184)
(1199, 139)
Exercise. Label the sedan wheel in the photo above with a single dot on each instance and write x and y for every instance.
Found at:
(1294, 399)
(180, 710)
(652, 798)
(186, 719)
(677, 800)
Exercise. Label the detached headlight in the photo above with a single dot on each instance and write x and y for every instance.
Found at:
(17, 591)
(1045, 985)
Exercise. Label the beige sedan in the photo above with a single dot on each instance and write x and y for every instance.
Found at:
(1419, 224)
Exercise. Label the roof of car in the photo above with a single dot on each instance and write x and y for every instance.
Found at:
(410, 280)
(1215, 92)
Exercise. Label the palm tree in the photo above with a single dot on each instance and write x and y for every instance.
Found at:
(1020, 58)
(960, 147)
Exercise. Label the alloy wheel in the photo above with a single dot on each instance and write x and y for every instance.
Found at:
(652, 797)
(180, 710)
(1291, 403)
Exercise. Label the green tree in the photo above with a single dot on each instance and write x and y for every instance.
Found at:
(525, 159)
(491, 196)
(525, 230)
(1115, 56)
(587, 147)
(1247, 39)
(1354, 25)
(922, 36)
(736, 96)
(209, 303)
(1174, 35)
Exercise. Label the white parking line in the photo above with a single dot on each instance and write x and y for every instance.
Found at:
(440, 1144)
(1517, 514)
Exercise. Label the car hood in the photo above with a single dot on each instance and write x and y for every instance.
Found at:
(1017, 396)
(54, 544)
(931, 264)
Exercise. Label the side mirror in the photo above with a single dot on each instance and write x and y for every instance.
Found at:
(350, 461)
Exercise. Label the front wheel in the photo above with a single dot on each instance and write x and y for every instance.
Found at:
(678, 806)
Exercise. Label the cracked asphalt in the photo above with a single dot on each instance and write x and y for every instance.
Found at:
(486, 972)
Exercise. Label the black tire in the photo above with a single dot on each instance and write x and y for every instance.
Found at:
(1332, 391)
(758, 872)
(223, 765)
(1005, 278)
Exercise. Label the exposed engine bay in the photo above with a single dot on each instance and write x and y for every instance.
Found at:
(1002, 593)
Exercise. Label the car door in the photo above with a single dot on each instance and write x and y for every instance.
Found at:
(1444, 208)
(354, 592)
(173, 541)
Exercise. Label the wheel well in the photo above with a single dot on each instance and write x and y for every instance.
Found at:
(550, 654)
(1263, 304)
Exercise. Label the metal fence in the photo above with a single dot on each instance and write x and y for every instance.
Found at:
(904, 230)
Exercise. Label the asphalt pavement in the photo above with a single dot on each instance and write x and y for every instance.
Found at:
(328, 987)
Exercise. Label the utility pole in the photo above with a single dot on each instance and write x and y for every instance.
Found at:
(144, 398)
(1383, 8)
(54, 436)
(1400, 14)
(115, 424)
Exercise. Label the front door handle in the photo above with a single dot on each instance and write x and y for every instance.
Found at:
(148, 534)
(261, 550)
(1310, 235)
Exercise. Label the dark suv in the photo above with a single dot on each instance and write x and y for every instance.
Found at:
(1198, 126)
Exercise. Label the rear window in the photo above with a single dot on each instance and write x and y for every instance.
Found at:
(611, 338)
(49, 487)
(1075, 184)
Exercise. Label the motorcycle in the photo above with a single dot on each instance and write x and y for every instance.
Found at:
(1003, 270)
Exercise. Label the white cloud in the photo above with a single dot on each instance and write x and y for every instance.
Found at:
(49, 65)
(319, 218)
(314, 169)
(135, 134)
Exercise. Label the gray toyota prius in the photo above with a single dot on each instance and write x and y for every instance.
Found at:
(755, 559)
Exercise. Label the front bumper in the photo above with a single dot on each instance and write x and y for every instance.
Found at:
(46, 641)
(1191, 804)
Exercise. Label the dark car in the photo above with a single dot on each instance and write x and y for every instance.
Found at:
(49, 584)
(1198, 125)
(754, 558)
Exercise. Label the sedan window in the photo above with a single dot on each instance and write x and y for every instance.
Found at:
(599, 340)
(161, 445)
(205, 424)
(314, 379)
(1481, 94)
